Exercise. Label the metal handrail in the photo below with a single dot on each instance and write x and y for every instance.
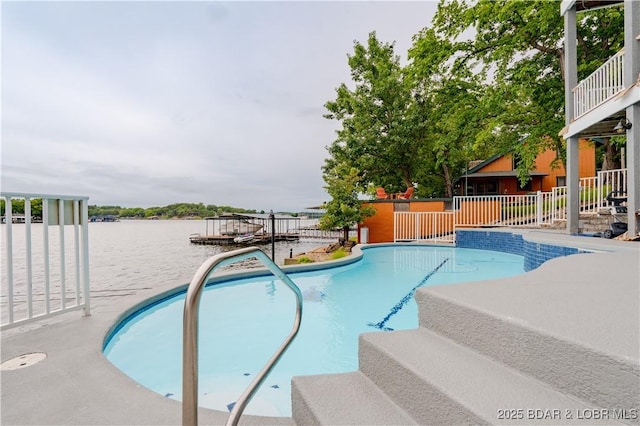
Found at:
(190, 334)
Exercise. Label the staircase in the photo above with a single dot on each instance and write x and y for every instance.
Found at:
(589, 223)
(543, 348)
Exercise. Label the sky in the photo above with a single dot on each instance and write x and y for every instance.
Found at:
(142, 104)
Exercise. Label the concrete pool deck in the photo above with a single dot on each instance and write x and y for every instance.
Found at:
(76, 385)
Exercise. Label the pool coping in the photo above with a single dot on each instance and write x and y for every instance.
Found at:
(75, 384)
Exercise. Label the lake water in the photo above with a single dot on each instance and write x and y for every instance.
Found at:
(125, 257)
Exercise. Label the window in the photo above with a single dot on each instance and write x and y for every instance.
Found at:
(525, 187)
(516, 160)
(470, 189)
(561, 181)
(483, 187)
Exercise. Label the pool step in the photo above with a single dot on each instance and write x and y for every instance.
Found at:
(544, 345)
(557, 328)
(420, 377)
(438, 381)
(343, 399)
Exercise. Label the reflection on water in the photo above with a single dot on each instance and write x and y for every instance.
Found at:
(125, 258)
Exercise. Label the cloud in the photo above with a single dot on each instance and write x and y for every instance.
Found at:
(150, 103)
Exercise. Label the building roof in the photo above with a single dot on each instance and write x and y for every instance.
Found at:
(481, 164)
(497, 174)
(240, 216)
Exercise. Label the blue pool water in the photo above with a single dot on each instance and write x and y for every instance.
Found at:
(242, 325)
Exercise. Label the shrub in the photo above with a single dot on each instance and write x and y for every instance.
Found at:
(341, 252)
(304, 259)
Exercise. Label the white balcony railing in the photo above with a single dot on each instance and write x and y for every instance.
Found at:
(599, 87)
(45, 256)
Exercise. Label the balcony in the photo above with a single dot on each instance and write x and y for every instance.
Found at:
(605, 83)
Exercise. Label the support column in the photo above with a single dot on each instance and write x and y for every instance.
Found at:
(633, 174)
(573, 185)
(570, 81)
(631, 73)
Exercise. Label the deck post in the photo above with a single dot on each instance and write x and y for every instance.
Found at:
(570, 81)
(272, 218)
(539, 208)
(631, 71)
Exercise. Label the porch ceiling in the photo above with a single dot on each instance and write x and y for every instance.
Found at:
(603, 128)
(600, 121)
(594, 4)
(582, 5)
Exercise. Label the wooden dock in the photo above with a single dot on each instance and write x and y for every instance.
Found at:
(225, 240)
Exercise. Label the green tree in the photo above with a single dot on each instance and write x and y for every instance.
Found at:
(104, 210)
(17, 206)
(517, 47)
(450, 94)
(36, 207)
(131, 212)
(344, 209)
(378, 134)
(152, 211)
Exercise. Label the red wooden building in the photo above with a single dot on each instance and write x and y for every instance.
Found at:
(498, 175)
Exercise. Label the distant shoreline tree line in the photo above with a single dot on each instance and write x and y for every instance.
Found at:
(172, 210)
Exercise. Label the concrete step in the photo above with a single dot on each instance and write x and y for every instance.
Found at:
(595, 223)
(557, 328)
(542, 348)
(342, 399)
(437, 381)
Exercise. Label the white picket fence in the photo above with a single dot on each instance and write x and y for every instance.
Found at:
(434, 227)
(531, 210)
(45, 258)
(497, 210)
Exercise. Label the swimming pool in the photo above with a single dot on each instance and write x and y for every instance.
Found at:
(242, 325)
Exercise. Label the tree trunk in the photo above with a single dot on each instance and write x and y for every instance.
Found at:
(406, 178)
(345, 235)
(448, 184)
(611, 159)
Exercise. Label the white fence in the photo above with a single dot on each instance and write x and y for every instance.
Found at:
(497, 210)
(531, 210)
(593, 195)
(557, 202)
(45, 272)
(435, 227)
(599, 87)
(611, 181)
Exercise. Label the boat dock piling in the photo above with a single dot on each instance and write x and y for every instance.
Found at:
(224, 240)
(225, 228)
